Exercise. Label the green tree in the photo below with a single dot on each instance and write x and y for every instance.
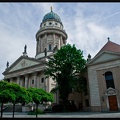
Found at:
(39, 96)
(5, 94)
(36, 96)
(63, 68)
(21, 95)
(81, 82)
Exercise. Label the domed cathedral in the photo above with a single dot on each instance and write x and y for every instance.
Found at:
(29, 72)
(50, 36)
(103, 70)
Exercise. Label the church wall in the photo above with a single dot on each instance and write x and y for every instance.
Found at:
(94, 91)
(102, 85)
(102, 88)
(96, 72)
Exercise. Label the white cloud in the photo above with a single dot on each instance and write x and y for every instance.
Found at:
(87, 24)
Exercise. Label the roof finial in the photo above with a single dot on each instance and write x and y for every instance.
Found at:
(108, 39)
(51, 8)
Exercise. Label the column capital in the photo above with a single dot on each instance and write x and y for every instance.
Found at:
(18, 76)
(26, 75)
(35, 73)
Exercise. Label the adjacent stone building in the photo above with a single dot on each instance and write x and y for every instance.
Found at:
(104, 78)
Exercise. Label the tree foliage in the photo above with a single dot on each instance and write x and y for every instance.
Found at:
(5, 94)
(39, 96)
(63, 68)
(12, 92)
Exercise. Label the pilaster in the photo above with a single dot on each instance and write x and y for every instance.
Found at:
(53, 40)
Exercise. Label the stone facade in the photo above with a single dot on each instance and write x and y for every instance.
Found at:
(106, 61)
(29, 72)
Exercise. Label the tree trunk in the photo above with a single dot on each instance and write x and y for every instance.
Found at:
(1, 109)
(36, 109)
(13, 109)
(81, 105)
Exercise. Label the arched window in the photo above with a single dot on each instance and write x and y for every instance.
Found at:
(109, 80)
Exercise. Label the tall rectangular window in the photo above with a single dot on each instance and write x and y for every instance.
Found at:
(32, 81)
(50, 47)
(42, 80)
(109, 80)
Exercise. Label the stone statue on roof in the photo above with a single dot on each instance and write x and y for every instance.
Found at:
(25, 49)
(7, 65)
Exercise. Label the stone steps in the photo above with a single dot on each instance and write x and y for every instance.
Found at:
(9, 108)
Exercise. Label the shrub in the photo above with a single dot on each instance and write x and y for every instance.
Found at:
(34, 112)
(39, 111)
(57, 108)
(71, 108)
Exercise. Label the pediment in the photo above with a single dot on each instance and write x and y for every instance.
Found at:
(21, 63)
(110, 91)
(104, 57)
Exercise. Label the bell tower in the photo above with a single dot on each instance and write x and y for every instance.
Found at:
(50, 35)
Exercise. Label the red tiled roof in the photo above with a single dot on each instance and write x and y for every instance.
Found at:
(110, 46)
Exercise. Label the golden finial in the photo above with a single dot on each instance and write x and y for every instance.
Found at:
(51, 8)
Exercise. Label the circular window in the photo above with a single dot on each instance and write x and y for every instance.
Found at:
(50, 23)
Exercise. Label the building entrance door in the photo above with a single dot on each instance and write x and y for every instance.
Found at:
(113, 103)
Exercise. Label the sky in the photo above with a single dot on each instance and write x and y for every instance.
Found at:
(87, 24)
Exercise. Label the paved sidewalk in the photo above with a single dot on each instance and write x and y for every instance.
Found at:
(65, 115)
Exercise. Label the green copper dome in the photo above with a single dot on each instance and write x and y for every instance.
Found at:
(51, 16)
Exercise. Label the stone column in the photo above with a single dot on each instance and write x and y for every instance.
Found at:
(29, 82)
(35, 79)
(37, 44)
(48, 84)
(53, 40)
(40, 44)
(45, 84)
(11, 80)
(61, 43)
(45, 44)
(21, 81)
(38, 81)
(26, 81)
(18, 80)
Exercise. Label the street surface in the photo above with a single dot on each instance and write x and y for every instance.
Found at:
(65, 115)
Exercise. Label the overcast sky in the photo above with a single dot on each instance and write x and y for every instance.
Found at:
(88, 26)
